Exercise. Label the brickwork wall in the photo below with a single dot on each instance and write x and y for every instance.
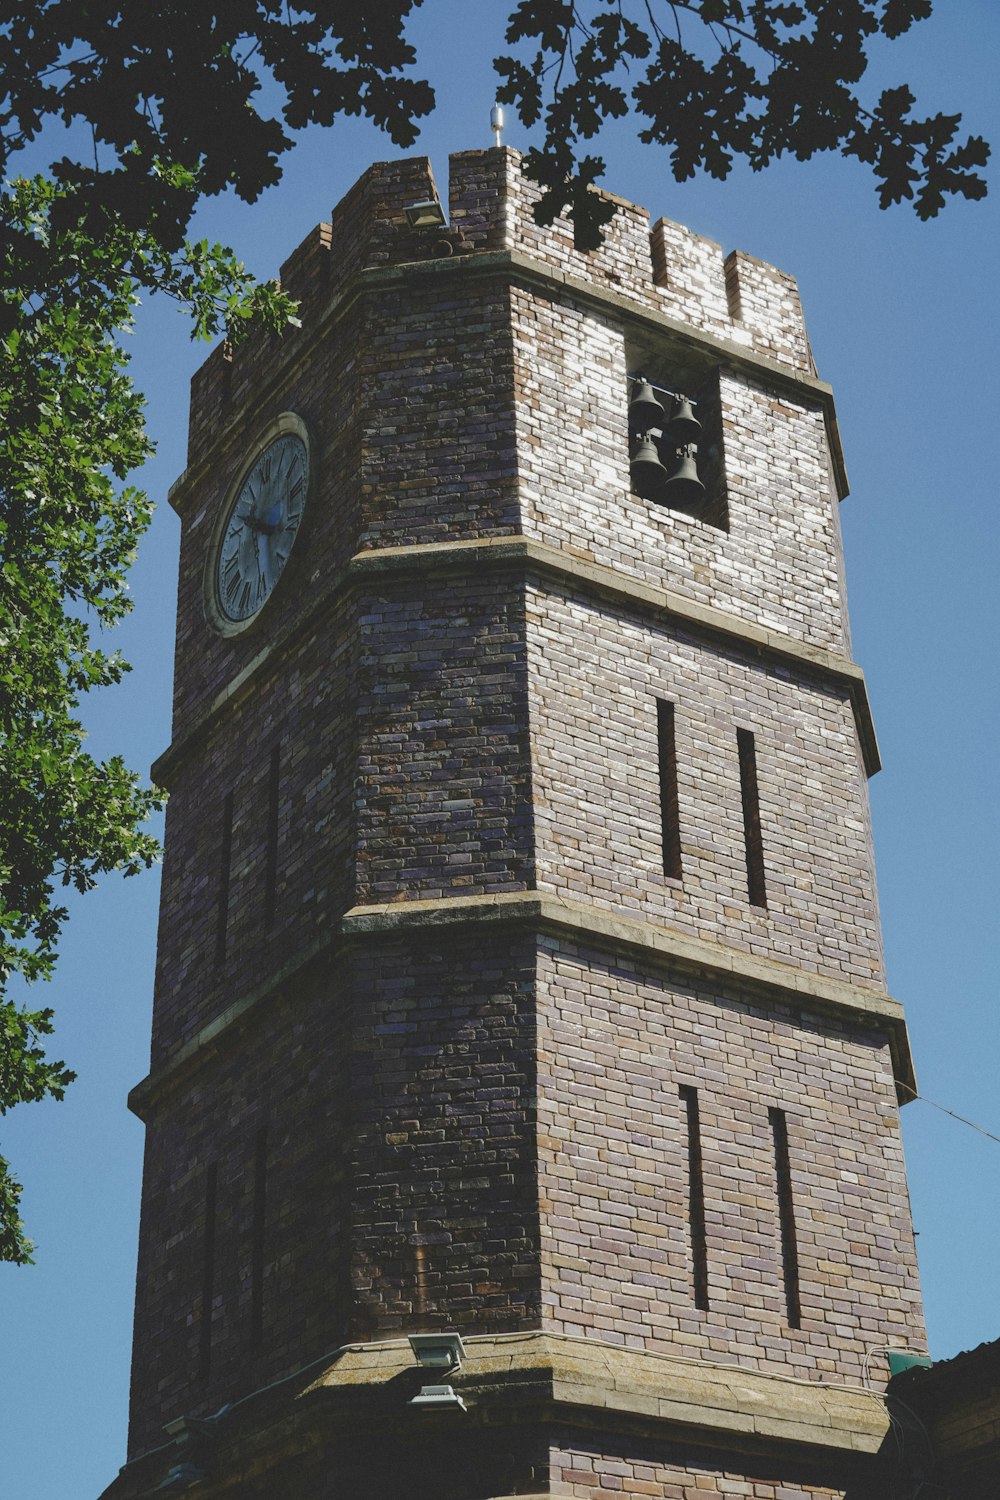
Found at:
(438, 460)
(615, 1045)
(595, 675)
(307, 708)
(779, 562)
(290, 1075)
(651, 1471)
(668, 269)
(443, 774)
(766, 301)
(397, 1086)
(444, 1193)
(690, 276)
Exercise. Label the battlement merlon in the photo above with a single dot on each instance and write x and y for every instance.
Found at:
(750, 309)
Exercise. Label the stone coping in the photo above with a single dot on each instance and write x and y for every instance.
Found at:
(706, 1400)
(588, 924)
(508, 1380)
(597, 579)
(581, 922)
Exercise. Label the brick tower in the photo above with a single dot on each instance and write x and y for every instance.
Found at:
(519, 970)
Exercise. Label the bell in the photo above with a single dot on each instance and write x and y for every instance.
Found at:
(644, 411)
(683, 426)
(647, 473)
(684, 490)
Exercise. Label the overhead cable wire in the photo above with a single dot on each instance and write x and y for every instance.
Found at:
(971, 1123)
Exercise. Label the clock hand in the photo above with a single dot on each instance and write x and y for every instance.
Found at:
(265, 528)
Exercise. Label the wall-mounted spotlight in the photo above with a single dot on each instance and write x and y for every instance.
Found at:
(427, 214)
(442, 1352)
(182, 1477)
(437, 1397)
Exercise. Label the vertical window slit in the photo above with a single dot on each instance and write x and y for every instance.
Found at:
(271, 870)
(257, 1247)
(756, 888)
(786, 1217)
(669, 809)
(696, 1200)
(225, 860)
(208, 1274)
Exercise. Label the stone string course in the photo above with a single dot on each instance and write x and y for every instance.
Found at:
(479, 1127)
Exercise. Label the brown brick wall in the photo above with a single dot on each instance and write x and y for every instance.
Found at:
(654, 1471)
(778, 564)
(615, 1045)
(443, 775)
(595, 674)
(438, 461)
(290, 1075)
(443, 1169)
(306, 706)
(397, 1087)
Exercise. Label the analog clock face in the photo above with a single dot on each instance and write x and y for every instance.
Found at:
(261, 528)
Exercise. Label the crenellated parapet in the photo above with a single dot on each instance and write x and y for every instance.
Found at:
(665, 269)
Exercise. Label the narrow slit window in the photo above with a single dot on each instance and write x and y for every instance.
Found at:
(207, 1273)
(670, 819)
(225, 862)
(696, 1200)
(786, 1217)
(271, 868)
(257, 1247)
(756, 888)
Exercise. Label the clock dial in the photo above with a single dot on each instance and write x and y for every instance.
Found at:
(261, 528)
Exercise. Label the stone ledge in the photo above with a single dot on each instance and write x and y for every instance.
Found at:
(703, 1398)
(443, 558)
(143, 1097)
(536, 1377)
(579, 922)
(607, 582)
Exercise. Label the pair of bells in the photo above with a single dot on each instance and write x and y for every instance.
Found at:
(646, 413)
(680, 488)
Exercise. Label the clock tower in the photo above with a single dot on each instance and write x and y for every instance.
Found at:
(520, 980)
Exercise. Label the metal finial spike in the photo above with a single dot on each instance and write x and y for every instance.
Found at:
(496, 124)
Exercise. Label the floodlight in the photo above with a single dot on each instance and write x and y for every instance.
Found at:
(427, 214)
(438, 1351)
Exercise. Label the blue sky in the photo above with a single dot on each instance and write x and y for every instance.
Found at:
(902, 318)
